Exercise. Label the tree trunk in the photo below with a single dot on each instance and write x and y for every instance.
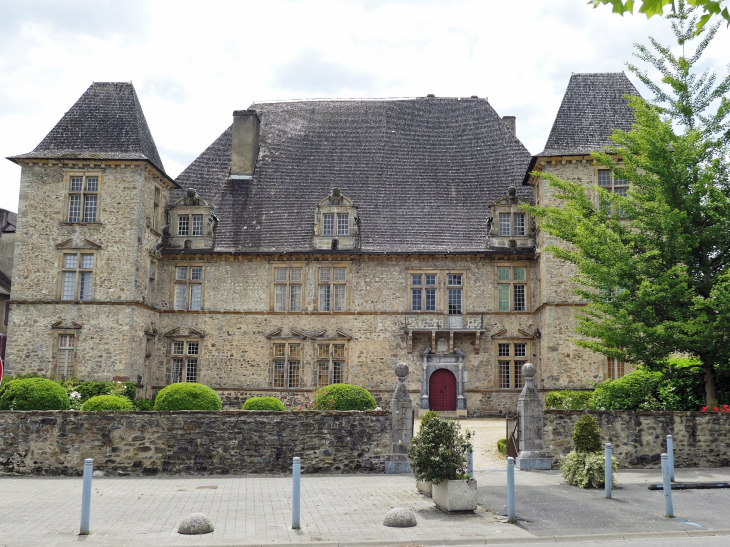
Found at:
(710, 387)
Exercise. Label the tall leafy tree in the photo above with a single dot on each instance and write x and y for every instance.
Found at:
(654, 266)
(650, 8)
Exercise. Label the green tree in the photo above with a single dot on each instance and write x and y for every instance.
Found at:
(654, 265)
(650, 8)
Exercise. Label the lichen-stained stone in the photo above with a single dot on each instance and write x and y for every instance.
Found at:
(196, 523)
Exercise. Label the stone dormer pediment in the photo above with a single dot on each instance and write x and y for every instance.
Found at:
(336, 223)
(184, 332)
(511, 226)
(66, 325)
(77, 244)
(190, 222)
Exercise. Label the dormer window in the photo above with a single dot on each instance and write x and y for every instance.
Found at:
(511, 225)
(190, 225)
(191, 222)
(336, 225)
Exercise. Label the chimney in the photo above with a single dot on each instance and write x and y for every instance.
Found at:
(245, 149)
(511, 123)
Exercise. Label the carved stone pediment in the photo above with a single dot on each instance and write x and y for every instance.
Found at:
(66, 325)
(184, 332)
(78, 243)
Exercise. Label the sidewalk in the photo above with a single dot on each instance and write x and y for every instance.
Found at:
(339, 509)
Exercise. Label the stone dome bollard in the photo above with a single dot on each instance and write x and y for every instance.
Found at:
(197, 523)
(400, 518)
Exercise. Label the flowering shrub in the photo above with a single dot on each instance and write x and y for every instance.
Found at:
(75, 398)
(716, 408)
(439, 450)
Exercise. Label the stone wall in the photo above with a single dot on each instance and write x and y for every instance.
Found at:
(638, 438)
(148, 443)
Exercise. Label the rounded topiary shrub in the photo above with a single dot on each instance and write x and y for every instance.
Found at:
(108, 403)
(34, 394)
(343, 397)
(264, 403)
(187, 396)
(587, 434)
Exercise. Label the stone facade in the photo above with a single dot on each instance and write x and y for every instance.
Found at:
(639, 438)
(227, 442)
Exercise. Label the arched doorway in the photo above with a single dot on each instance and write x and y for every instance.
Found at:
(442, 390)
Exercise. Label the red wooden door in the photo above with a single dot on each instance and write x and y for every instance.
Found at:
(442, 390)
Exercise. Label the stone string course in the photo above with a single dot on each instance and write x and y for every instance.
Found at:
(639, 438)
(190, 442)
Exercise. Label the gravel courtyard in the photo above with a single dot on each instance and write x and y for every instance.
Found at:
(487, 432)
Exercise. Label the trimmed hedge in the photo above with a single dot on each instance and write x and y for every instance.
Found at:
(187, 396)
(108, 403)
(568, 400)
(343, 397)
(264, 403)
(33, 394)
(587, 434)
(502, 446)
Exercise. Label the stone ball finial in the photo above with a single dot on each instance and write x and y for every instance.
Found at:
(191, 192)
(401, 370)
(528, 370)
(512, 191)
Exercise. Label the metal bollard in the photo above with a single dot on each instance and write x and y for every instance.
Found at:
(670, 453)
(296, 468)
(470, 465)
(86, 496)
(608, 471)
(668, 506)
(511, 489)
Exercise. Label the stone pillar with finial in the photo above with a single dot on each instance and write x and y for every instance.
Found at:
(401, 411)
(532, 453)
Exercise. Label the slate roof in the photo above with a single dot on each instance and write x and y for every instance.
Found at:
(107, 122)
(422, 172)
(593, 106)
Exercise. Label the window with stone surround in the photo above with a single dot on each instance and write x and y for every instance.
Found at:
(82, 203)
(65, 356)
(190, 225)
(152, 282)
(423, 291)
(287, 292)
(616, 369)
(512, 224)
(77, 273)
(436, 291)
(286, 364)
(512, 285)
(188, 287)
(510, 358)
(613, 184)
(157, 210)
(330, 363)
(332, 288)
(184, 361)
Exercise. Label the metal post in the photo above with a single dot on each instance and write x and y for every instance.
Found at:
(511, 489)
(295, 495)
(470, 464)
(670, 453)
(86, 496)
(608, 471)
(668, 507)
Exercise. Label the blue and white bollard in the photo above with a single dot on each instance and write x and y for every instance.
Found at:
(668, 506)
(511, 489)
(608, 471)
(296, 468)
(86, 496)
(670, 453)
(470, 464)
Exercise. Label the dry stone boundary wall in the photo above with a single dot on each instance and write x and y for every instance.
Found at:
(639, 438)
(191, 442)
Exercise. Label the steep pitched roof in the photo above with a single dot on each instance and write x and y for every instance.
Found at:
(422, 173)
(107, 122)
(593, 106)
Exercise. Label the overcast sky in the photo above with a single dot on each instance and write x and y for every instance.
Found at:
(193, 63)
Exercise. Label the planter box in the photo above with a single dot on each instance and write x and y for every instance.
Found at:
(424, 487)
(458, 495)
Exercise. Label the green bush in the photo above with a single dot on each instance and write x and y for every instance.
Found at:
(343, 397)
(585, 469)
(502, 446)
(587, 435)
(568, 400)
(428, 416)
(144, 404)
(187, 396)
(263, 403)
(439, 450)
(108, 403)
(33, 394)
(635, 391)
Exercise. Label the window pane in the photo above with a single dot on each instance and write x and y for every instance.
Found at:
(503, 274)
(430, 279)
(324, 298)
(177, 371)
(279, 274)
(504, 382)
(181, 274)
(519, 297)
(85, 286)
(87, 262)
(340, 274)
(90, 208)
(191, 372)
(69, 286)
(197, 225)
(343, 227)
(328, 225)
(295, 297)
(178, 348)
(76, 184)
(196, 273)
(323, 351)
(416, 303)
(66, 341)
(323, 373)
(615, 368)
(279, 297)
(520, 350)
(454, 279)
(519, 224)
(503, 297)
(295, 274)
(519, 379)
(617, 181)
(279, 350)
(279, 369)
(325, 274)
(70, 261)
(504, 224)
(519, 274)
(430, 299)
(295, 350)
(454, 301)
(337, 368)
(338, 351)
(293, 374)
(416, 279)
(92, 184)
(195, 292)
(503, 350)
(180, 296)
(604, 177)
(74, 209)
(620, 191)
(340, 291)
(183, 225)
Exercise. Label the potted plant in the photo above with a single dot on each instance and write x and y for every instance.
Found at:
(438, 455)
